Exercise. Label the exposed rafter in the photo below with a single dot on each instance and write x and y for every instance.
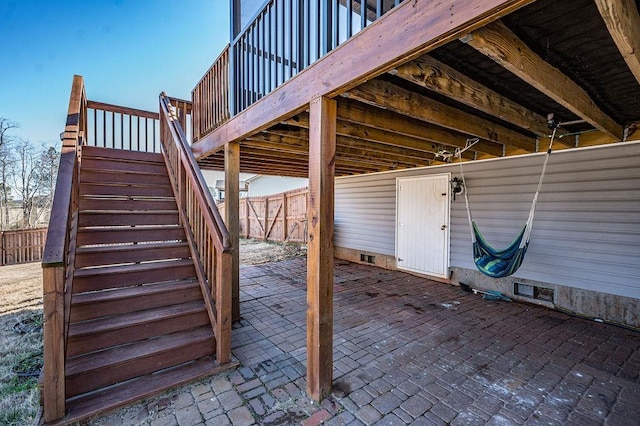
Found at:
(497, 42)
(359, 148)
(359, 113)
(623, 21)
(376, 135)
(432, 74)
(389, 96)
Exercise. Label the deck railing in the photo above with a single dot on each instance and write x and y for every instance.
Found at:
(207, 235)
(286, 36)
(57, 260)
(282, 39)
(114, 126)
(211, 97)
(22, 246)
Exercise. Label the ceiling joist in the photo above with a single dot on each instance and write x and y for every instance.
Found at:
(278, 136)
(497, 42)
(389, 96)
(359, 113)
(440, 78)
(623, 22)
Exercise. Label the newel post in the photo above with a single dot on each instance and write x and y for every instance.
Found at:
(53, 279)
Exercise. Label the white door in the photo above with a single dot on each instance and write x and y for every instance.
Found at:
(422, 242)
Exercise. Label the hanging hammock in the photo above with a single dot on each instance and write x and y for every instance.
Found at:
(502, 263)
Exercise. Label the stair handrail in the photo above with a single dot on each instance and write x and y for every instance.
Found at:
(188, 159)
(203, 225)
(58, 255)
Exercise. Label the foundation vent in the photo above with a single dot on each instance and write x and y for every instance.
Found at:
(532, 291)
(367, 258)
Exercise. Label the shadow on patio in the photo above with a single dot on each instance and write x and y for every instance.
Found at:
(409, 350)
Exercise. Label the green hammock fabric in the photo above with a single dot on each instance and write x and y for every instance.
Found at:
(498, 263)
(502, 263)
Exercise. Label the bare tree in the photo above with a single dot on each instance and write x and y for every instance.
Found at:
(7, 161)
(48, 163)
(26, 179)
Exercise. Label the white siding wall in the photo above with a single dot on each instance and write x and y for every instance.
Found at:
(586, 231)
(269, 185)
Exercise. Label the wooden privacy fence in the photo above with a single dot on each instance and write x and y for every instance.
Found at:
(22, 246)
(279, 217)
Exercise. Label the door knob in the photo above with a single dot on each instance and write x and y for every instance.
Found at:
(443, 227)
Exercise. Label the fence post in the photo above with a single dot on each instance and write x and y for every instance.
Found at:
(2, 248)
(284, 216)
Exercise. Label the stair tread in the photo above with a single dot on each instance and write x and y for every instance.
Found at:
(127, 292)
(133, 184)
(128, 212)
(102, 401)
(130, 228)
(122, 154)
(104, 324)
(130, 247)
(122, 269)
(110, 358)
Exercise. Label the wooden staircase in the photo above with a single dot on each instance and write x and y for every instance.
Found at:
(138, 323)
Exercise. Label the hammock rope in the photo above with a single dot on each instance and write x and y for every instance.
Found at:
(502, 263)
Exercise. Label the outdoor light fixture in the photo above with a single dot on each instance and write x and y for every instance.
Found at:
(457, 186)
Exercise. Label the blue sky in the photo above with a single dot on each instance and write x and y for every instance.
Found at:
(128, 51)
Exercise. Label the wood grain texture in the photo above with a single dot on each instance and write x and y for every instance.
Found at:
(322, 151)
(54, 344)
(122, 110)
(356, 112)
(231, 219)
(96, 370)
(434, 75)
(126, 393)
(500, 44)
(395, 98)
(427, 139)
(88, 306)
(623, 21)
(406, 32)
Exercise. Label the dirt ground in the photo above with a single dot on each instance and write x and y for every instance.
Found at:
(21, 329)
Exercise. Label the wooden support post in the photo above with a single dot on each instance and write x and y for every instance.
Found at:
(322, 152)
(223, 309)
(54, 343)
(232, 219)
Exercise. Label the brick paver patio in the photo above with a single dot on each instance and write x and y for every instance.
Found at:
(411, 351)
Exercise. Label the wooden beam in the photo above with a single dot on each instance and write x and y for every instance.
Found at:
(373, 155)
(406, 32)
(623, 21)
(232, 220)
(364, 132)
(395, 98)
(358, 113)
(432, 74)
(322, 153)
(497, 42)
(365, 147)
